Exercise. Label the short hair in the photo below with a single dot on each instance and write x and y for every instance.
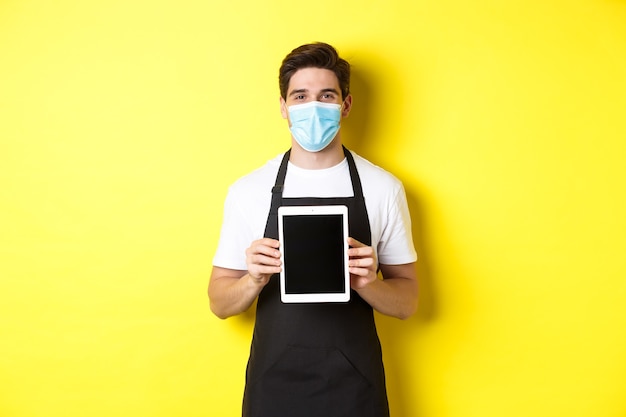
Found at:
(314, 55)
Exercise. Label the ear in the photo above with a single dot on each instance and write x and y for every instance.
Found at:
(347, 106)
(283, 108)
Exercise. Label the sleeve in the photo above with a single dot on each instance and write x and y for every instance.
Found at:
(396, 244)
(235, 235)
(246, 208)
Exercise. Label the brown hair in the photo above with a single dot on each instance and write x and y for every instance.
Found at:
(314, 55)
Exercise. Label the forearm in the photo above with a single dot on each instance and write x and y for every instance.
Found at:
(392, 297)
(232, 291)
(396, 295)
(230, 295)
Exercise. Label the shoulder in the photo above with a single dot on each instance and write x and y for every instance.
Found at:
(374, 177)
(258, 181)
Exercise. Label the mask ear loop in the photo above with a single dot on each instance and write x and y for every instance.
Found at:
(341, 109)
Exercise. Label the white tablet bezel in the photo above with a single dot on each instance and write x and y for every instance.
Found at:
(314, 297)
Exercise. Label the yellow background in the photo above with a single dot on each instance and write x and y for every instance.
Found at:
(122, 123)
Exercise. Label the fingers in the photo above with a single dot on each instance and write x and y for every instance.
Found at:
(263, 258)
(362, 263)
(265, 247)
(361, 251)
(355, 243)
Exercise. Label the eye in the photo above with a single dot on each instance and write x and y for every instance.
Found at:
(328, 97)
(299, 97)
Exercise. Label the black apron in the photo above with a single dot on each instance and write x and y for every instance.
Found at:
(315, 359)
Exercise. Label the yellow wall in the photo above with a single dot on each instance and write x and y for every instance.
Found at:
(122, 123)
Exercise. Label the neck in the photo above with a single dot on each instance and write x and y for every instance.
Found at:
(326, 158)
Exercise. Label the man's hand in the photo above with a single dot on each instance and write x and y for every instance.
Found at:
(232, 291)
(362, 264)
(395, 295)
(263, 260)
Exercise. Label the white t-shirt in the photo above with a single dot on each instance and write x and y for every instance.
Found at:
(249, 198)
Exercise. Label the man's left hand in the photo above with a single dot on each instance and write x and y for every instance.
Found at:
(362, 264)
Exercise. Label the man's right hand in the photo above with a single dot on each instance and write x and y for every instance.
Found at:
(233, 291)
(263, 260)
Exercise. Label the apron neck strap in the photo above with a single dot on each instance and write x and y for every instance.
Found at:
(277, 190)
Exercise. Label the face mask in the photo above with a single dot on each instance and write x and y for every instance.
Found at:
(314, 124)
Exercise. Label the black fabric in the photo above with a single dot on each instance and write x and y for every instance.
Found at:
(315, 359)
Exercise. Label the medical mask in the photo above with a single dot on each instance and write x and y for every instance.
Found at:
(314, 124)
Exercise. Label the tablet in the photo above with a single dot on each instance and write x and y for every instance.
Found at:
(314, 254)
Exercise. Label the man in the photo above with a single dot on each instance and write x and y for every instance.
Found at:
(315, 359)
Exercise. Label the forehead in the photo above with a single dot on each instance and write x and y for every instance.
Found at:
(313, 79)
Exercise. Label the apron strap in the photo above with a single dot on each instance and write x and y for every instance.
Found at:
(357, 189)
(279, 184)
(277, 189)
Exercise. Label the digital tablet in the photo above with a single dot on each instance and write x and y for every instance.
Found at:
(314, 254)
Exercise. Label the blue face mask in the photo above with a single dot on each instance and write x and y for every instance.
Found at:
(314, 124)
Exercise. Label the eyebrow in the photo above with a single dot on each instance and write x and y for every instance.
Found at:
(304, 90)
(296, 92)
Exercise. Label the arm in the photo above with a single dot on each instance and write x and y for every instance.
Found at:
(395, 295)
(232, 291)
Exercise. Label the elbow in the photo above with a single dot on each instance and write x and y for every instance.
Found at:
(221, 316)
(218, 309)
(408, 310)
(406, 313)
(218, 312)
(407, 305)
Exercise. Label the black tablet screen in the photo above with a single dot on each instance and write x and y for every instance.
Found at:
(313, 254)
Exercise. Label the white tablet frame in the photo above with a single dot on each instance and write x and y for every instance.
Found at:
(314, 297)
